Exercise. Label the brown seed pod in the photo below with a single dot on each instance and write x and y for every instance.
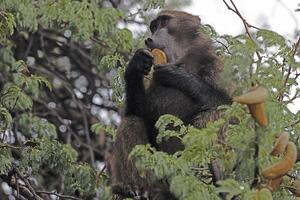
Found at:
(258, 113)
(281, 144)
(159, 58)
(284, 166)
(274, 184)
(254, 96)
(255, 99)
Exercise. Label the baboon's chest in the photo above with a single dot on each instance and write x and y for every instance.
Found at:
(166, 100)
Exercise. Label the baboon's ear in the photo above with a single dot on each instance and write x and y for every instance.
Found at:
(190, 24)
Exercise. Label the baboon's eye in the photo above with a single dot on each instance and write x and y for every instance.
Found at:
(164, 20)
(153, 26)
(159, 23)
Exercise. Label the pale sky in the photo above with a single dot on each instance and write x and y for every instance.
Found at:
(278, 14)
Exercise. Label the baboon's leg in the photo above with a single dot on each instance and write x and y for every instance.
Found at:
(124, 175)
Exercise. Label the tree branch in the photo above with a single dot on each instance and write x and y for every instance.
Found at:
(255, 157)
(2, 145)
(293, 53)
(58, 195)
(245, 23)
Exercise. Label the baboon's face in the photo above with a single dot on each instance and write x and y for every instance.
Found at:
(162, 38)
(171, 32)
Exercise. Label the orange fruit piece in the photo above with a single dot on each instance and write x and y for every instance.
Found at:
(159, 57)
(283, 166)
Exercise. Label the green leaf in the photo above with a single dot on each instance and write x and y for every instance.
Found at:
(19, 66)
(189, 188)
(110, 62)
(32, 125)
(271, 38)
(47, 152)
(41, 81)
(200, 143)
(29, 82)
(5, 119)
(124, 40)
(7, 24)
(208, 30)
(82, 179)
(169, 126)
(97, 128)
(154, 4)
(231, 188)
(162, 165)
(14, 98)
(5, 160)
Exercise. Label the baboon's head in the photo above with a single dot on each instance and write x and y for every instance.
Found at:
(173, 32)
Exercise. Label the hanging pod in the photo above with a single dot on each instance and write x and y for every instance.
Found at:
(258, 112)
(280, 144)
(282, 167)
(255, 100)
(257, 94)
(274, 184)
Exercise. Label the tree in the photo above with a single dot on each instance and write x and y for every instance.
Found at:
(61, 77)
(60, 62)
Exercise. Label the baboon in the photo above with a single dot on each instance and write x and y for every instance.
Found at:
(185, 87)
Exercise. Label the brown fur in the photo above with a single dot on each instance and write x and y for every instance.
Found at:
(124, 173)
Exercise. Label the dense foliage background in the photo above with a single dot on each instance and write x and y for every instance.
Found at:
(61, 66)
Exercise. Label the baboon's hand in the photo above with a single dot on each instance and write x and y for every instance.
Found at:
(165, 71)
(141, 61)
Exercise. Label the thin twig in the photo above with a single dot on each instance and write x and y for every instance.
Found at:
(296, 46)
(102, 170)
(293, 53)
(28, 185)
(30, 43)
(8, 146)
(225, 46)
(18, 188)
(293, 124)
(245, 23)
(292, 176)
(58, 195)
(12, 182)
(87, 134)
